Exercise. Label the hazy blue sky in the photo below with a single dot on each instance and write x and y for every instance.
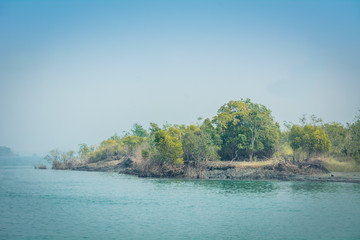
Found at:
(79, 71)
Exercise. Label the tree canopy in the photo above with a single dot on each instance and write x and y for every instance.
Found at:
(240, 131)
(246, 129)
(311, 139)
(169, 147)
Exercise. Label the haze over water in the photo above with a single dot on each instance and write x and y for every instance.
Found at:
(75, 72)
(50, 204)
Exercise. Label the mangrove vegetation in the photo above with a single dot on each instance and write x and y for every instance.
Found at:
(241, 131)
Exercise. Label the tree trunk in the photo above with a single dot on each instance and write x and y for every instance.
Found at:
(253, 136)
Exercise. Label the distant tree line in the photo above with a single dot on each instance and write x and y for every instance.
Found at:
(241, 131)
(5, 152)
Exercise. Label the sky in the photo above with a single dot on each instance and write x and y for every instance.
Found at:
(76, 72)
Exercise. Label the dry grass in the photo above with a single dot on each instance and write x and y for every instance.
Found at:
(257, 164)
(105, 163)
(331, 164)
(341, 166)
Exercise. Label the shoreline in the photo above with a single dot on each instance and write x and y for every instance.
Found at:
(307, 172)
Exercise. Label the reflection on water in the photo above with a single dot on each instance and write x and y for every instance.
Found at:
(53, 204)
(255, 187)
(315, 187)
(238, 187)
(221, 186)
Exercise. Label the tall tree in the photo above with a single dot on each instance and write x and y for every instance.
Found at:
(138, 131)
(169, 148)
(353, 140)
(198, 145)
(310, 139)
(246, 128)
(337, 135)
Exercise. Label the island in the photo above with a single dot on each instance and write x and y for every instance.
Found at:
(6, 152)
(243, 142)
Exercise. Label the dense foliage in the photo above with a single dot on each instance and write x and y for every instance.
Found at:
(247, 130)
(353, 140)
(241, 131)
(169, 147)
(201, 143)
(311, 139)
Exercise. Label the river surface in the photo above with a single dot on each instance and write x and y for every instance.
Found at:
(50, 204)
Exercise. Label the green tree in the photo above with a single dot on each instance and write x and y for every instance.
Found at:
(138, 131)
(337, 135)
(154, 128)
(115, 138)
(246, 129)
(131, 143)
(151, 139)
(198, 145)
(109, 149)
(315, 140)
(353, 140)
(85, 151)
(208, 128)
(296, 136)
(310, 139)
(169, 148)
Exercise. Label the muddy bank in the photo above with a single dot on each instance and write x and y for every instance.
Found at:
(279, 171)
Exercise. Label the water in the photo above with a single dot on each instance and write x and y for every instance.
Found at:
(50, 204)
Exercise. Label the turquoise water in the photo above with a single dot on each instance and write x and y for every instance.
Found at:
(50, 204)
